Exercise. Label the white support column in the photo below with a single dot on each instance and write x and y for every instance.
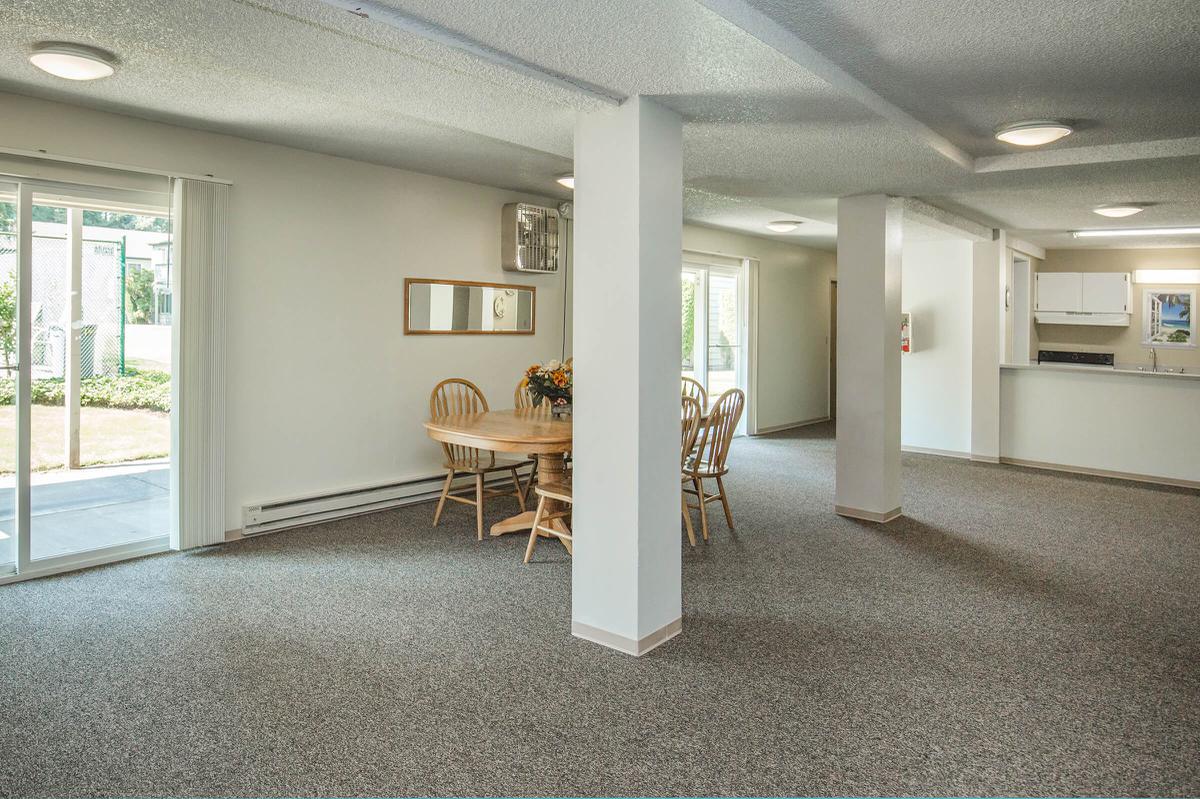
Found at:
(628, 250)
(988, 281)
(868, 355)
(74, 314)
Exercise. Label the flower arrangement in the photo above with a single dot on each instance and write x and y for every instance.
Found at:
(551, 382)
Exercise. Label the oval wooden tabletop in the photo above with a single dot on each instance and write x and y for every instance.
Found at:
(524, 431)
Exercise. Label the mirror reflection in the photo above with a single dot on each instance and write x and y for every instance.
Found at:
(455, 306)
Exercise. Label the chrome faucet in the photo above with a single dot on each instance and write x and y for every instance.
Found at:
(1153, 360)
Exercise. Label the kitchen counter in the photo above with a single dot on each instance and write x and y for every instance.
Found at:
(1120, 369)
(1101, 420)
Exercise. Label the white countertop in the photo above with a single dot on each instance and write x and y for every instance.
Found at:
(1106, 370)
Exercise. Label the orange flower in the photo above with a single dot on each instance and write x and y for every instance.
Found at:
(559, 379)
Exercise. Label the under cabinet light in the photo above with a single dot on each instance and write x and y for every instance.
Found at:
(1168, 276)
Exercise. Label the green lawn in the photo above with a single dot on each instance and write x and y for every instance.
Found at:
(106, 435)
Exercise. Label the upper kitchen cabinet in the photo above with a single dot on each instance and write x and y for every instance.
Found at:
(1083, 298)
(1105, 292)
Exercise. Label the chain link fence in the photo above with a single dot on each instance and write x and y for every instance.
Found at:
(101, 323)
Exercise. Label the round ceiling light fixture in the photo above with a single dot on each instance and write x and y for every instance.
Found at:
(783, 225)
(73, 61)
(566, 180)
(1033, 132)
(1119, 210)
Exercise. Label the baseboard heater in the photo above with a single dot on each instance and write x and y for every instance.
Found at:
(269, 517)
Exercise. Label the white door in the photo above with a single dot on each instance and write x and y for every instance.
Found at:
(1105, 292)
(1059, 291)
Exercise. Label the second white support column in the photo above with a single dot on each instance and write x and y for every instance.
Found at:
(626, 340)
(868, 377)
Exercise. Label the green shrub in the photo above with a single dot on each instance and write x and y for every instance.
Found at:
(136, 390)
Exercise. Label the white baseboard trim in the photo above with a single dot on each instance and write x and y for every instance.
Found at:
(629, 646)
(776, 428)
(867, 515)
(943, 453)
(985, 458)
(1140, 478)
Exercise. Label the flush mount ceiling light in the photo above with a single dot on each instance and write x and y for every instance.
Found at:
(1033, 132)
(783, 226)
(1118, 211)
(1145, 231)
(566, 180)
(73, 61)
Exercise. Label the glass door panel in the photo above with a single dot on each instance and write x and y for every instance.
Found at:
(724, 333)
(8, 378)
(101, 372)
(692, 357)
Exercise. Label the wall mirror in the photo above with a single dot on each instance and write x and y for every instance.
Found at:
(434, 307)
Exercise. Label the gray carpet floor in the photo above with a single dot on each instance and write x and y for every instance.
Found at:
(1019, 632)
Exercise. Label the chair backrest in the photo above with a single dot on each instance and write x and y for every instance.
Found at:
(693, 389)
(717, 435)
(454, 397)
(523, 400)
(691, 427)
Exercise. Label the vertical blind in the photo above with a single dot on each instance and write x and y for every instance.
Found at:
(200, 212)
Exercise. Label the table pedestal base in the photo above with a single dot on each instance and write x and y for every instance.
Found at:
(551, 468)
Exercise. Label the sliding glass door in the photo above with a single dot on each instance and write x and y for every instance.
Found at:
(86, 380)
(714, 326)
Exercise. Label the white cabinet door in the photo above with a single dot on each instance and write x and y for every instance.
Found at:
(1059, 291)
(1106, 292)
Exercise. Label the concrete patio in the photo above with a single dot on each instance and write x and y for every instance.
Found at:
(86, 509)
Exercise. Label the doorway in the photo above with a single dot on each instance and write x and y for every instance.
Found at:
(85, 379)
(714, 312)
(833, 349)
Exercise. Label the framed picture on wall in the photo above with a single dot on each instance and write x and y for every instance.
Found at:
(1168, 318)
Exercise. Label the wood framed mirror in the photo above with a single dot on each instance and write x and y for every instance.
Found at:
(464, 307)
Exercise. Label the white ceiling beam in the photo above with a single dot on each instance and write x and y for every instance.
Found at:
(409, 23)
(1094, 154)
(1027, 248)
(938, 219)
(769, 32)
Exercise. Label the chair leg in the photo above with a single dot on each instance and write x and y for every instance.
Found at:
(699, 484)
(687, 519)
(437, 514)
(566, 542)
(517, 489)
(533, 533)
(479, 506)
(725, 502)
(532, 478)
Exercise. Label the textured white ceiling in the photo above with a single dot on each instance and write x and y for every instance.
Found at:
(764, 137)
(1124, 71)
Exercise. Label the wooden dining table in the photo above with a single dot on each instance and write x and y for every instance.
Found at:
(529, 431)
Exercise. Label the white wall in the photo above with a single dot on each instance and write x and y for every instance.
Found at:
(792, 374)
(324, 390)
(936, 375)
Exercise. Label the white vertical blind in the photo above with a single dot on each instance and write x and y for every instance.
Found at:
(200, 217)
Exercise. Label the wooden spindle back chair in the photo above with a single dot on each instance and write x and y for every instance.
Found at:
(693, 389)
(457, 397)
(690, 414)
(712, 449)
